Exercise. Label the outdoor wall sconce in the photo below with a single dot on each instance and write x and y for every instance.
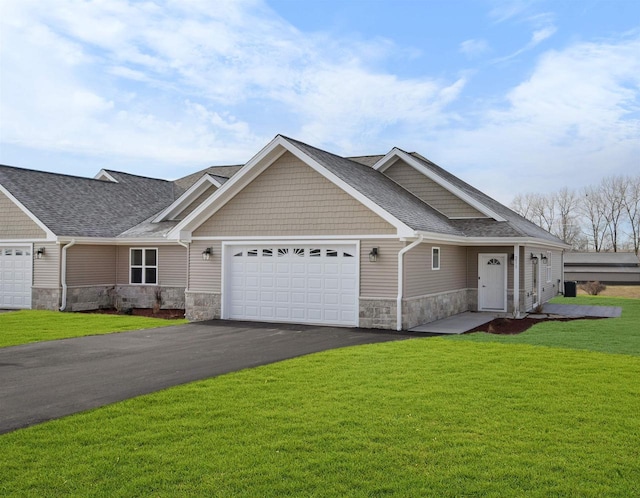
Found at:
(39, 253)
(373, 255)
(206, 254)
(534, 259)
(543, 258)
(512, 259)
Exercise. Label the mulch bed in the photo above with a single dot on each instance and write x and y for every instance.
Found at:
(512, 326)
(172, 314)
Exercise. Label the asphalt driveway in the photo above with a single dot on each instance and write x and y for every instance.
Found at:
(48, 380)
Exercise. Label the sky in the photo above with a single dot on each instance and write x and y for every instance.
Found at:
(512, 96)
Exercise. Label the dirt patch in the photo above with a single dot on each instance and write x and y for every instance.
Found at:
(511, 326)
(172, 314)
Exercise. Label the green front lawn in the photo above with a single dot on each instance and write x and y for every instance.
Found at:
(611, 335)
(22, 327)
(422, 417)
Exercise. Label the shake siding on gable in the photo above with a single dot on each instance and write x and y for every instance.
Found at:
(172, 265)
(420, 279)
(46, 271)
(430, 192)
(379, 279)
(290, 198)
(91, 265)
(199, 200)
(15, 224)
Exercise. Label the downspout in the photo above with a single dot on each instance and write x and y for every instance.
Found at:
(186, 246)
(516, 281)
(401, 279)
(63, 274)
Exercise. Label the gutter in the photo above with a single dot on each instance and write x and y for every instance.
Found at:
(63, 274)
(401, 279)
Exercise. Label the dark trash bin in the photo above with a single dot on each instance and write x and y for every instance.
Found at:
(570, 289)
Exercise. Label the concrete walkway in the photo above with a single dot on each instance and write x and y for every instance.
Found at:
(456, 324)
(578, 310)
(48, 380)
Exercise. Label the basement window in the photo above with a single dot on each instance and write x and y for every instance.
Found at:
(143, 266)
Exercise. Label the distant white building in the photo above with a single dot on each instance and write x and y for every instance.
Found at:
(605, 267)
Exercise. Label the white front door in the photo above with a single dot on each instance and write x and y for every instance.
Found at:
(300, 283)
(15, 276)
(492, 282)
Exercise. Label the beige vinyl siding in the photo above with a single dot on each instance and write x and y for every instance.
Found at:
(91, 265)
(547, 289)
(420, 279)
(205, 276)
(15, 224)
(290, 198)
(379, 279)
(199, 200)
(472, 264)
(46, 271)
(172, 265)
(430, 192)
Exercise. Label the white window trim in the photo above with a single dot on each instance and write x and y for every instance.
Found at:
(143, 266)
(549, 267)
(433, 266)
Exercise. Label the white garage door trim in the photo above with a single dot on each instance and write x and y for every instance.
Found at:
(316, 259)
(16, 275)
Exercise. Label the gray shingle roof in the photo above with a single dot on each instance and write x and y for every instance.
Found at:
(183, 184)
(383, 191)
(84, 207)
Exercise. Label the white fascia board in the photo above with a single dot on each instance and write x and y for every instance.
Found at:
(396, 153)
(106, 175)
(288, 238)
(187, 198)
(229, 189)
(115, 241)
(490, 241)
(403, 229)
(50, 235)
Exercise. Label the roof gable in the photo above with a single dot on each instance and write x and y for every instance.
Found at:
(188, 198)
(17, 222)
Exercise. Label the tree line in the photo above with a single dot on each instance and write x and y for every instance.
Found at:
(603, 217)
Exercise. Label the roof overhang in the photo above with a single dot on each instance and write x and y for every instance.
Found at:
(105, 176)
(259, 163)
(395, 154)
(490, 241)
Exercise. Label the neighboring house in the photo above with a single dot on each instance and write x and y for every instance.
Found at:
(297, 234)
(604, 267)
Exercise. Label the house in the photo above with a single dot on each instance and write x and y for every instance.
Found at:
(605, 267)
(297, 234)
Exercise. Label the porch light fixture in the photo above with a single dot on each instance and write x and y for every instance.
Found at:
(512, 259)
(206, 254)
(39, 253)
(543, 258)
(373, 255)
(534, 259)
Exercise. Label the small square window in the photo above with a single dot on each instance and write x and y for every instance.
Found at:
(143, 268)
(435, 258)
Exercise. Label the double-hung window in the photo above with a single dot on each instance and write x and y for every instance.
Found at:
(143, 266)
(549, 267)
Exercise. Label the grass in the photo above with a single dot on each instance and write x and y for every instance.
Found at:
(25, 326)
(422, 417)
(611, 335)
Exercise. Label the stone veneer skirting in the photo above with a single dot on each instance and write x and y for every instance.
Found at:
(202, 305)
(122, 297)
(45, 299)
(428, 308)
(377, 313)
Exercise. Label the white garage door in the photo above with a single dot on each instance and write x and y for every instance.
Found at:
(15, 277)
(292, 283)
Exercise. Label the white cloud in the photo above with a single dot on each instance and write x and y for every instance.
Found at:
(474, 48)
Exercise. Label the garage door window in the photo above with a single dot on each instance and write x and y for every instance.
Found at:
(144, 266)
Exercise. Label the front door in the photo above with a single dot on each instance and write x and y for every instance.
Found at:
(492, 282)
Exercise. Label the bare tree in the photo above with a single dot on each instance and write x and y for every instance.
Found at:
(632, 208)
(566, 223)
(592, 208)
(613, 191)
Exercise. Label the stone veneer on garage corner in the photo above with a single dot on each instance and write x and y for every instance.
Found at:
(201, 306)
